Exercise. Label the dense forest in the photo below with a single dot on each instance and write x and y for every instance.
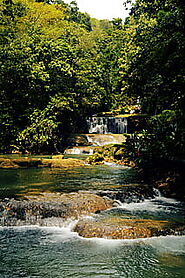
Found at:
(59, 65)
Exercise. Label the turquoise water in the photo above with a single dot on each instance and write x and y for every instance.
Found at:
(53, 252)
(57, 252)
(17, 182)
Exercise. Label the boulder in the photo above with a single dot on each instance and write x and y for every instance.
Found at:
(133, 193)
(118, 228)
(7, 164)
(79, 203)
(38, 210)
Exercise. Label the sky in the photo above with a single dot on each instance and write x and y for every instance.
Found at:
(102, 9)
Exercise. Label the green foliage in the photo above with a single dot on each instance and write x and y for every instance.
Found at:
(152, 68)
(152, 71)
(59, 65)
(83, 19)
(164, 139)
(46, 53)
(42, 133)
(109, 39)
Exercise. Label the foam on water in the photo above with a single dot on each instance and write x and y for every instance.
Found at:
(158, 203)
(165, 244)
(113, 164)
(172, 244)
(59, 233)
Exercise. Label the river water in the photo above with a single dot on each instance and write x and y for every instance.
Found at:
(54, 252)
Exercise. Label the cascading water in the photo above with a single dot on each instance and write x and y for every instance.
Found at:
(107, 125)
(101, 131)
(59, 251)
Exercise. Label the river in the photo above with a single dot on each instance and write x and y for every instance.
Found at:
(52, 252)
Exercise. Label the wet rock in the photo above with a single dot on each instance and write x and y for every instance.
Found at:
(36, 209)
(79, 203)
(80, 150)
(7, 164)
(129, 194)
(118, 228)
(105, 139)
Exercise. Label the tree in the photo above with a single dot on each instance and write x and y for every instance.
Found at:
(152, 70)
(154, 36)
(48, 51)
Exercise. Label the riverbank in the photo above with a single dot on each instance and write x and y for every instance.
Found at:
(168, 177)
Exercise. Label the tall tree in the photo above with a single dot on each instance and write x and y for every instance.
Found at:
(152, 70)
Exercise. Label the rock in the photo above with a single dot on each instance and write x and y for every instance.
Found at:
(26, 162)
(78, 140)
(95, 159)
(80, 150)
(105, 139)
(39, 209)
(64, 163)
(118, 228)
(7, 164)
(79, 203)
(59, 156)
(110, 153)
(134, 193)
(119, 153)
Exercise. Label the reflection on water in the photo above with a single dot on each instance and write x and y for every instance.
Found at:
(28, 181)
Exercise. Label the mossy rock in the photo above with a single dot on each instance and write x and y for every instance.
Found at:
(7, 164)
(24, 162)
(59, 156)
(27, 162)
(118, 228)
(96, 158)
(55, 162)
(64, 163)
(108, 153)
(77, 203)
(78, 140)
(119, 153)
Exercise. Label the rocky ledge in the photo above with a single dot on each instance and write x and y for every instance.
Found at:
(54, 209)
(129, 193)
(40, 209)
(26, 162)
(118, 228)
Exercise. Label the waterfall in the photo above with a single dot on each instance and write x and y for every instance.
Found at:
(107, 125)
